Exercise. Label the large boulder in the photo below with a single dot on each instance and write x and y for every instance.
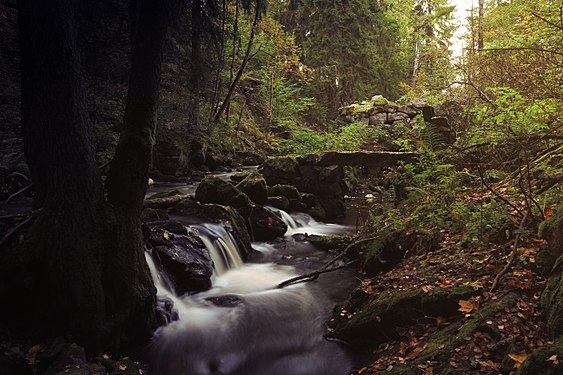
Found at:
(254, 186)
(215, 190)
(266, 225)
(183, 256)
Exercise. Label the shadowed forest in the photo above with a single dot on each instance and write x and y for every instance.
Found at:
(281, 187)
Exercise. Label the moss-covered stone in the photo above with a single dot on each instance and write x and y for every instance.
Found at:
(552, 231)
(441, 344)
(552, 299)
(375, 322)
(279, 202)
(314, 207)
(288, 191)
(214, 190)
(538, 362)
(254, 186)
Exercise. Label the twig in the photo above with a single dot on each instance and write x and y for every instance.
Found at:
(311, 276)
(345, 251)
(21, 191)
(12, 232)
(513, 257)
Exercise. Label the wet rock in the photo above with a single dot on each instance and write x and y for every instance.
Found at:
(279, 202)
(408, 110)
(185, 260)
(213, 213)
(254, 186)
(314, 207)
(225, 301)
(165, 311)
(288, 191)
(397, 116)
(165, 202)
(265, 224)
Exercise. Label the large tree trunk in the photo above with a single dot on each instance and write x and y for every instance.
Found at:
(130, 292)
(61, 158)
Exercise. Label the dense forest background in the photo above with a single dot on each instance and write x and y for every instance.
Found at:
(237, 81)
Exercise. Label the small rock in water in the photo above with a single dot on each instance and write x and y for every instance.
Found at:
(224, 301)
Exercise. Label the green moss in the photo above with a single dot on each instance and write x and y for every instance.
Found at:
(375, 322)
(443, 342)
(552, 299)
(538, 362)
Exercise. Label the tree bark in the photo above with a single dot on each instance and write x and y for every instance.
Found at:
(130, 292)
(196, 68)
(61, 158)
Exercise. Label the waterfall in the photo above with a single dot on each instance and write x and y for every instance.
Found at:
(221, 246)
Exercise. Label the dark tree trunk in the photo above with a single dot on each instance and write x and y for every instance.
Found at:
(61, 158)
(130, 293)
(93, 281)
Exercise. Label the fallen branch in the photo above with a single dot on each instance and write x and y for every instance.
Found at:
(311, 276)
(21, 191)
(345, 251)
(15, 230)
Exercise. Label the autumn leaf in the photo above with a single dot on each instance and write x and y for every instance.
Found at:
(553, 358)
(122, 367)
(466, 306)
(518, 358)
(166, 235)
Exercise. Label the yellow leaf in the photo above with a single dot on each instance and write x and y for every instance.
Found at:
(518, 358)
(553, 358)
(122, 367)
(166, 235)
(466, 306)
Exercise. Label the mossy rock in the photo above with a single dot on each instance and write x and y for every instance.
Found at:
(443, 342)
(552, 299)
(238, 177)
(254, 186)
(551, 230)
(332, 242)
(288, 191)
(314, 207)
(218, 191)
(538, 361)
(281, 165)
(393, 245)
(279, 202)
(375, 321)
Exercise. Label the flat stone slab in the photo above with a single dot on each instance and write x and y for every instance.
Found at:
(366, 159)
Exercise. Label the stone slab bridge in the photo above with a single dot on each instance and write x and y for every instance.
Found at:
(369, 159)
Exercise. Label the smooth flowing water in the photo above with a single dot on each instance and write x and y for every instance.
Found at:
(245, 325)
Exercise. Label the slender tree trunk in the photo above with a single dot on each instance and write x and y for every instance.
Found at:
(480, 37)
(130, 293)
(247, 57)
(233, 57)
(59, 152)
(196, 60)
(415, 66)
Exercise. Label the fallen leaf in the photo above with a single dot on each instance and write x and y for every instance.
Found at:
(518, 358)
(166, 235)
(553, 358)
(122, 367)
(466, 306)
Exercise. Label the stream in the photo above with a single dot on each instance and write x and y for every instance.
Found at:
(244, 324)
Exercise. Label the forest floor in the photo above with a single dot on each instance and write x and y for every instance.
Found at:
(498, 345)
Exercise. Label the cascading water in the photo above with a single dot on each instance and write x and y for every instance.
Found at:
(245, 325)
